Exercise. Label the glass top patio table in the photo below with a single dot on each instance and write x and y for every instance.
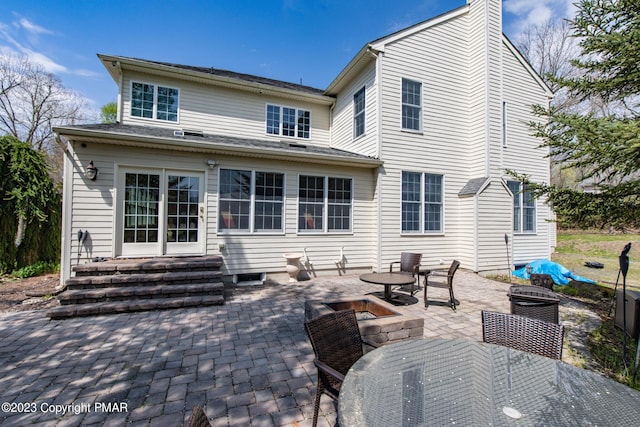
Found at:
(440, 382)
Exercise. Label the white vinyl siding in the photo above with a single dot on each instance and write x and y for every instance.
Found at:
(343, 130)
(227, 111)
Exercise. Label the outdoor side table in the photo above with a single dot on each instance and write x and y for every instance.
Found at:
(438, 382)
(535, 302)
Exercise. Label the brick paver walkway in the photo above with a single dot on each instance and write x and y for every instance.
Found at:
(248, 362)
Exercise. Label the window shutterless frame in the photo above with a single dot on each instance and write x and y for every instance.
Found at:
(325, 204)
(154, 102)
(422, 203)
(524, 208)
(251, 201)
(411, 110)
(359, 105)
(287, 121)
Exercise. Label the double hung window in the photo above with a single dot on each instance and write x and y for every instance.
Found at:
(287, 121)
(358, 113)
(422, 203)
(251, 201)
(154, 102)
(411, 105)
(524, 208)
(325, 204)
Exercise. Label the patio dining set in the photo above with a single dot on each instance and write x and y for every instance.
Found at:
(514, 376)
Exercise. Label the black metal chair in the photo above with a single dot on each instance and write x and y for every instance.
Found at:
(410, 265)
(447, 283)
(337, 344)
(198, 418)
(542, 280)
(523, 333)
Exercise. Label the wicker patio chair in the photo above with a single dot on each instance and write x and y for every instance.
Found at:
(337, 344)
(447, 283)
(410, 265)
(523, 333)
(535, 302)
(542, 280)
(198, 418)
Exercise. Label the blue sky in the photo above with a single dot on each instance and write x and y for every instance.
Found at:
(290, 40)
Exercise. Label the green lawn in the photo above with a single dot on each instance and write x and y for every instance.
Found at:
(574, 248)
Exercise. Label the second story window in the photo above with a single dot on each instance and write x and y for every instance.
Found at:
(288, 121)
(358, 113)
(154, 102)
(411, 105)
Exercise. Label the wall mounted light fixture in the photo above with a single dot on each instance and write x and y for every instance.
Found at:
(211, 163)
(91, 172)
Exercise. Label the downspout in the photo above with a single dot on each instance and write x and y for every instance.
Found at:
(67, 197)
(476, 245)
(379, 169)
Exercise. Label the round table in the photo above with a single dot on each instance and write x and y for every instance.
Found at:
(388, 280)
(455, 382)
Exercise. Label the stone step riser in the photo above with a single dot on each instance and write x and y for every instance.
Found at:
(175, 278)
(129, 285)
(77, 310)
(155, 265)
(90, 296)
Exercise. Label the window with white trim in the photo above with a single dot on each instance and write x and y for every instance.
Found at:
(504, 124)
(324, 204)
(411, 105)
(154, 102)
(251, 201)
(422, 202)
(288, 121)
(358, 113)
(524, 208)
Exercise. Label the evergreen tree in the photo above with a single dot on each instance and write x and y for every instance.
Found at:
(604, 142)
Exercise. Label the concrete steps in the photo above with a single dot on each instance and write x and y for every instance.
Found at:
(129, 285)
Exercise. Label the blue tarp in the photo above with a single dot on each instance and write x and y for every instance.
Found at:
(561, 275)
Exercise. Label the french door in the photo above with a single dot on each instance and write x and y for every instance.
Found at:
(161, 212)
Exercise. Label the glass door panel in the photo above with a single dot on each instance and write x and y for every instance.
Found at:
(141, 210)
(185, 213)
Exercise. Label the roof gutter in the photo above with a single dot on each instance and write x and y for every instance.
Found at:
(190, 145)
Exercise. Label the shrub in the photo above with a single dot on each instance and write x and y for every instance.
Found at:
(37, 269)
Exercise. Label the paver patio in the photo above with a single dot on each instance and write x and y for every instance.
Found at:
(248, 362)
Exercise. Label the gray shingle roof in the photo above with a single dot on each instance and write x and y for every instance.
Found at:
(282, 148)
(472, 187)
(239, 76)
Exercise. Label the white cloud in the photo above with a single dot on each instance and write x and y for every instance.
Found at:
(523, 13)
(33, 28)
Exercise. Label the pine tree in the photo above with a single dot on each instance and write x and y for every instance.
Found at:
(604, 142)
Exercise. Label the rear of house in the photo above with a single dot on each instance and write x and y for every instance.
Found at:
(406, 150)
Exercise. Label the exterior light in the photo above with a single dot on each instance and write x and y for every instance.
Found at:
(91, 172)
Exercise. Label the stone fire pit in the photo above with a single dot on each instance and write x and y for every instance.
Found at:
(378, 320)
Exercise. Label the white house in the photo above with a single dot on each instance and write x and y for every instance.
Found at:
(406, 150)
